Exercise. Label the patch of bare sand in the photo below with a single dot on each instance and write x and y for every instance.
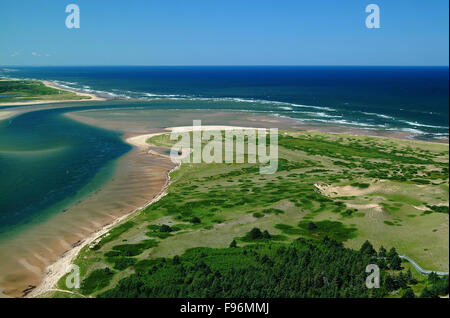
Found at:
(344, 191)
(369, 206)
(373, 209)
(181, 129)
(7, 114)
(91, 96)
(424, 208)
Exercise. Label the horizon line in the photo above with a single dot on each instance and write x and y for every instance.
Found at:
(222, 65)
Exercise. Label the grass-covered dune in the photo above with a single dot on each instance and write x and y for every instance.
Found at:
(28, 90)
(334, 192)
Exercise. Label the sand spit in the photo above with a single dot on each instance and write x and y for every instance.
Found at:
(7, 114)
(92, 97)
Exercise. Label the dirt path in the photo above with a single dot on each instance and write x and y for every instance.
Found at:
(420, 269)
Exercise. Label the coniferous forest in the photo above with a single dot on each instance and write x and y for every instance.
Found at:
(303, 268)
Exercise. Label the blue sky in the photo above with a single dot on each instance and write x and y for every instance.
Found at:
(224, 32)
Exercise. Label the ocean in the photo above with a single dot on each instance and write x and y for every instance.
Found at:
(407, 99)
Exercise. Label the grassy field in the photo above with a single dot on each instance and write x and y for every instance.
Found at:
(393, 193)
(26, 90)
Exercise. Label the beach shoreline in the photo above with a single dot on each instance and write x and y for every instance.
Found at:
(92, 97)
(58, 269)
(7, 114)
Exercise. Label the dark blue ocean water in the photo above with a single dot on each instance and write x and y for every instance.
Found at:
(412, 99)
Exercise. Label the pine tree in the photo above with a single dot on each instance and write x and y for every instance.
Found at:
(255, 233)
(382, 263)
(411, 279)
(395, 263)
(394, 260)
(427, 293)
(392, 253)
(382, 252)
(312, 226)
(367, 249)
(408, 293)
(176, 260)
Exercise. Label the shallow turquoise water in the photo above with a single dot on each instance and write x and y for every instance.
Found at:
(46, 158)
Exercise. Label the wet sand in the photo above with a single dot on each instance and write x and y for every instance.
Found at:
(7, 114)
(140, 121)
(138, 178)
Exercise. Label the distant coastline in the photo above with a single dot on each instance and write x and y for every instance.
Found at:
(89, 96)
(410, 101)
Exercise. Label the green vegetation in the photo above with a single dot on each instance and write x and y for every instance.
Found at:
(131, 249)
(438, 208)
(303, 268)
(26, 90)
(361, 185)
(437, 286)
(333, 229)
(256, 235)
(114, 234)
(96, 280)
(334, 192)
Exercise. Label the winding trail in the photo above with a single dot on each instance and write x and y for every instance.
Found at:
(67, 292)
(420, 269)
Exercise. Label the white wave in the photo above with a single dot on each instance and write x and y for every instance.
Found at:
(159, 95)
(379, 115)
(232, 99)
(318, 114)
(341, 122)
(314, 107)
(416, 124)
(409, 130)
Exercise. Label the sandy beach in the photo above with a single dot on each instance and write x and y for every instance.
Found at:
(7, 114)
(91, 97)
(135, 179)
(59, 268)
